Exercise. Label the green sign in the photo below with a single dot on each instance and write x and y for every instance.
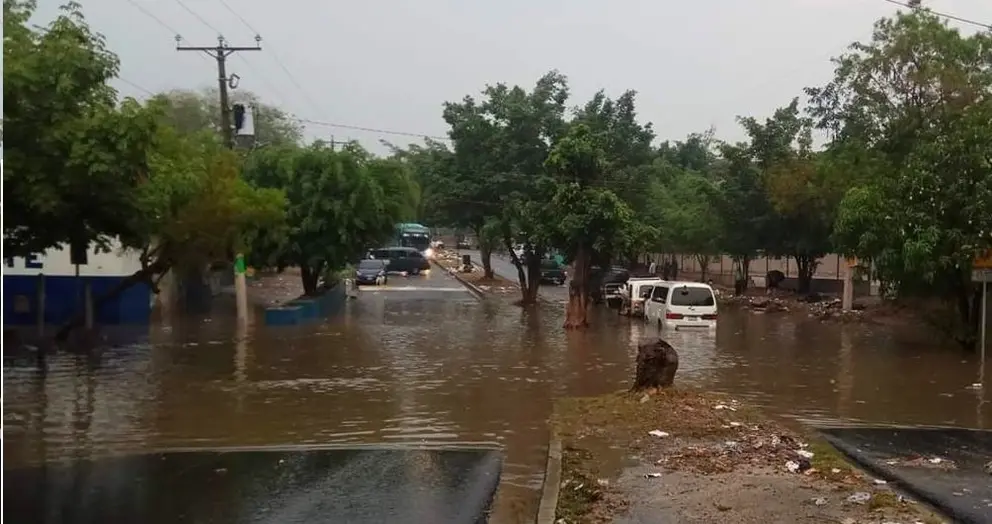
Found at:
(239, 264)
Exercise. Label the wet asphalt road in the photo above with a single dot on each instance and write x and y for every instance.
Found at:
(503, 267)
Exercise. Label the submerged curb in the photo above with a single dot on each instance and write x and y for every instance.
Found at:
(911, 488)
(472, 288)
(552, 482)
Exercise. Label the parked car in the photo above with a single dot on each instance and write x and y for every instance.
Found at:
(610, 293)
(372, 271)
(600, 278)
(679, 305)
(635, 292)
(553, 273)
(463, 244)
(402, 260)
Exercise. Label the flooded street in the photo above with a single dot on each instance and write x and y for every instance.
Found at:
(425, 363)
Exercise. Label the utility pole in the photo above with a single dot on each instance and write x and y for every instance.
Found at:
(220, 52)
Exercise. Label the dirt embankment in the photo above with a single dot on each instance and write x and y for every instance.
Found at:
(497, 285)
(686, 456)
(867, 310)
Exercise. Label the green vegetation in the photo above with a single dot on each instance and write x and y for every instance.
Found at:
(84, 167)
(903, 180)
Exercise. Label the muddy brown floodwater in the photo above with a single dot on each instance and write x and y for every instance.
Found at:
(427, 364)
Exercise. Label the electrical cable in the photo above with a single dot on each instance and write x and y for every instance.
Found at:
(942, 15)
(314, 105)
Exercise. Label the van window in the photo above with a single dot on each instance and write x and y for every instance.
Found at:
(692, 296)
(646, 291)
(660, 294)
(414, 254)
(380, 254)
(397, 253)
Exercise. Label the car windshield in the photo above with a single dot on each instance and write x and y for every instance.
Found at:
(692, 296)
(370, 264)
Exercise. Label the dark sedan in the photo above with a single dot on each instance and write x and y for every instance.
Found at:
(372, 272)
(552, 273)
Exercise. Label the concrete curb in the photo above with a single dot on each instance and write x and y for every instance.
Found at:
(552, 482)
(540, 297)
(911, 488)
(472, 288)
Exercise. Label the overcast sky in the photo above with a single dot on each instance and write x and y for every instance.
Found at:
(390, 64)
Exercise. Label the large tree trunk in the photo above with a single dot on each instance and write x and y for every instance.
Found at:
(743, 273)
(145, 275)
(486, 246)
(704, 265)
(534, 257)
(310, 277)
(806, 266)
(486, 250)
(576, 312)
(525, 295)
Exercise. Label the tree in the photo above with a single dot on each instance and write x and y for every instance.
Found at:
(193, 111)
(498, 174)
(742, 208)
(583, 216)
(911, 110)
(73, 155)
(801, 201)
(339, 204)
(690, 215)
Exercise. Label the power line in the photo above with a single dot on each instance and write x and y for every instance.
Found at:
(149, 14)
(942, 15)
(198, 17)
(313, 105)
(136, 86)
(239, 17)
(371, 129)
(167, 27)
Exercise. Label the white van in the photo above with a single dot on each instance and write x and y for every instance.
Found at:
(635, 293)
(681, 305)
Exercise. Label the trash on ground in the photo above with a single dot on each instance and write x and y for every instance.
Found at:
(859, 497)
(724, 406)
(652, 475)
(658, 433)
(804, 454)
(820, 501)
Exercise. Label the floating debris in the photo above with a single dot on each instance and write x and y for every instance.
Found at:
(658, 433)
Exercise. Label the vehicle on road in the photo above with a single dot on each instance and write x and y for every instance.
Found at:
(463, 244)
(610, 293)
(402, 260)
(553, 273)
(634, 293)
(416, 236)
(599, 279)
(679, 305)
(372, 271)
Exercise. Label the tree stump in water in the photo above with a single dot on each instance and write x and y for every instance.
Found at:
(657, 362)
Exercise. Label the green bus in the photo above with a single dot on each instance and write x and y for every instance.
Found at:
(417, 236)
